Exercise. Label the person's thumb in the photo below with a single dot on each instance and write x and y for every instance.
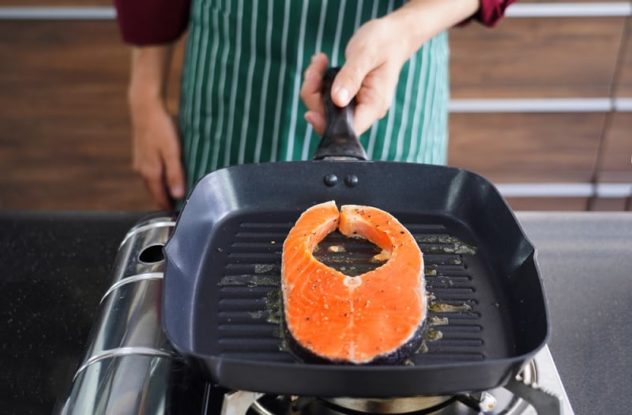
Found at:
(349, 80)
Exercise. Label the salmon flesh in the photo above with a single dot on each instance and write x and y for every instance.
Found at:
(348, 319)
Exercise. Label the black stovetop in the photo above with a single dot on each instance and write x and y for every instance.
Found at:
(54, 268)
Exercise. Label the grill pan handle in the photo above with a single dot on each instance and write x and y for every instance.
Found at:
(339, 140)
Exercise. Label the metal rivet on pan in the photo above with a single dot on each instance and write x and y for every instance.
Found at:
(331, 180)
(351, 180)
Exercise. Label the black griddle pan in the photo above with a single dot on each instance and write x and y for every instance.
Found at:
(221, 300)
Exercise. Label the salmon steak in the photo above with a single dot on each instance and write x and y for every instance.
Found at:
(353, 319)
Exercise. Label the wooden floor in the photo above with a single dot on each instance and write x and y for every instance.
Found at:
(64, 127)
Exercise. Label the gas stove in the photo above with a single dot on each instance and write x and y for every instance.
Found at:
(130, 367)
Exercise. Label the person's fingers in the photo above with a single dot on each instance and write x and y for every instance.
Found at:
(312, 83)
(174, 172)
(364, 117)
(148, 165)
(317, 120)
(154, 181)
(349, 80)
(374, 98)
(159, 194)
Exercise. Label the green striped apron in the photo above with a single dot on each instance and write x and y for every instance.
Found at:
(243, 72)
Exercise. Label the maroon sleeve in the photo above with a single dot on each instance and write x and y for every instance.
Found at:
(491, 11)
(147, 22)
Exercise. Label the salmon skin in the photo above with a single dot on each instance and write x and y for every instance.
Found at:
(369, 318)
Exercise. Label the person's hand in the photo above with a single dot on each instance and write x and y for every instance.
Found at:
(374, 58)
(156, 152)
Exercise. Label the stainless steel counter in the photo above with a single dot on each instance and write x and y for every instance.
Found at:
(586, 264)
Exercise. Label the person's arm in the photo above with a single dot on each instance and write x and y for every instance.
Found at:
(375, 55)
(152, 27)
(156, 146)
